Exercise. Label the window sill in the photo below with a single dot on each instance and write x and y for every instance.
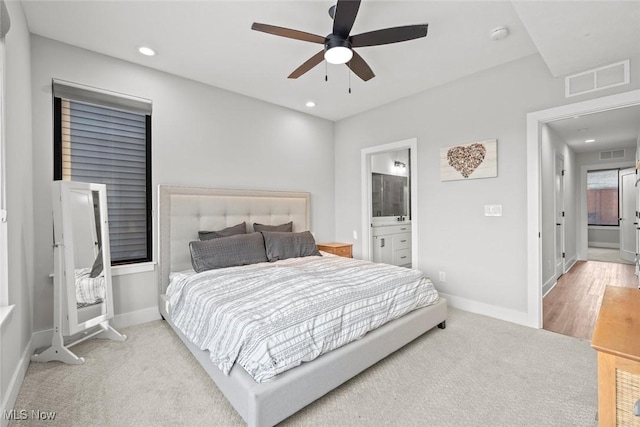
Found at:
(603, 227)
(5, 312)
(143, 267)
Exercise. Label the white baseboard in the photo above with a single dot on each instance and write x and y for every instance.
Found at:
(546, 290)
(135, 317)
(571, 263)
(9, 401)
(43, 338)
(519, 317)
(548, 285)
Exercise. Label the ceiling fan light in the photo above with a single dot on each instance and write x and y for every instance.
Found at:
(338, 55)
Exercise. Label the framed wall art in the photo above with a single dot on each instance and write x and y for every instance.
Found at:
(469, 161)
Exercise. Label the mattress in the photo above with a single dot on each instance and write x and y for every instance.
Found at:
(271, 317)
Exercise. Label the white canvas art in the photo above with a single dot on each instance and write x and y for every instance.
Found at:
(469, 161)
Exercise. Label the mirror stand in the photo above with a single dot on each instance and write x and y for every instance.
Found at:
(59, 351)
(82, 288)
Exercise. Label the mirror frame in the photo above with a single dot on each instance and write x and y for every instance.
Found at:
(63, 235)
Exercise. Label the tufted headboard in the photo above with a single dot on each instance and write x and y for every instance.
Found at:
(183, 211)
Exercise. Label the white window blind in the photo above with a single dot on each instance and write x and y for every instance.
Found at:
(103, 144)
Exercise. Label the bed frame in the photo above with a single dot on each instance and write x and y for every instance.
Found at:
(183, 211)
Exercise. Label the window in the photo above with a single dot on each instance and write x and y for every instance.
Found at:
(100, 137)
(602, 197)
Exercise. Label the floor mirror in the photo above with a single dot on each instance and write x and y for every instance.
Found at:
(83, 298)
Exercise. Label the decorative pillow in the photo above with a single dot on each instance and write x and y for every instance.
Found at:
(288, 227)
(241, 249)
(282, 245)
(97, 266)
(225, 232)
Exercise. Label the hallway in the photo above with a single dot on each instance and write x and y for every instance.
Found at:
(571, 307)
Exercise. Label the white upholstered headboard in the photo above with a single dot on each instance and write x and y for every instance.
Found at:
(183, 211)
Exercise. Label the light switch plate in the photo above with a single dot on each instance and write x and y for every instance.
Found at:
(492, 210)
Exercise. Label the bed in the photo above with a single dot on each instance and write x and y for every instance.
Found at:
(185, 211)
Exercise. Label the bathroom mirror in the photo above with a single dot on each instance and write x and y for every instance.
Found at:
(390, 187)
(389, 195)
(83, 299)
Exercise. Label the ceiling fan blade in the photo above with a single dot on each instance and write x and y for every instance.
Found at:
(287, 32)
(344, 17)
(389, 35)
(360, 67)
(309, 64)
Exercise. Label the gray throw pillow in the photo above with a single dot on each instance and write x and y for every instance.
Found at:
(288, 227)
(282, 245)
(241, 249)
(97, 267)
(225, 232)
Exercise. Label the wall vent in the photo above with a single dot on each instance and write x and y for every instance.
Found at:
(597, 79)
(612, 154)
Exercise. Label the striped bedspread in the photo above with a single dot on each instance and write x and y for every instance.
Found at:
(270, 317)
(89, 290)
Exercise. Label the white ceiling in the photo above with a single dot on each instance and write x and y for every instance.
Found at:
(619, 128)
(211, 42)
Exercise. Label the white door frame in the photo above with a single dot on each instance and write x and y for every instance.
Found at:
(623, 202)
(534, 204)
(556, 159)
(365, 168)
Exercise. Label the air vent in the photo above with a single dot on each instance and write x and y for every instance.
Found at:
(611, 154)
(597, 79)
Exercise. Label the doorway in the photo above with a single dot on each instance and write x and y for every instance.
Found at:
(367, 156)
(535, 121)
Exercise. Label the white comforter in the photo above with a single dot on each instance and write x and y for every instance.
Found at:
(270, 317)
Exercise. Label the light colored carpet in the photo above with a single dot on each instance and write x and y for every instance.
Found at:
(605, 255)
(478, 371)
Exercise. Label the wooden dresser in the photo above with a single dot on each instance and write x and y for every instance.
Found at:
(341, 249)
(617, 340)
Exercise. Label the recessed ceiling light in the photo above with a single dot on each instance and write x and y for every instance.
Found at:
(310, 104)
(146, 51)
(589, 140)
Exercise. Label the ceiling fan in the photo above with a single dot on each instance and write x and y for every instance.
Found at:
(338, 46)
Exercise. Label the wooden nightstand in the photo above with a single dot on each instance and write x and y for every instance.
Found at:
(340, 249)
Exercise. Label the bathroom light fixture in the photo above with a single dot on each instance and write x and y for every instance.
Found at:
(310, 104)
(589, 140)
(146, 51)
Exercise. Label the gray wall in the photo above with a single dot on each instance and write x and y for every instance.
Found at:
(16, 331)
(202, 136)
(485, 258)
(551, 144)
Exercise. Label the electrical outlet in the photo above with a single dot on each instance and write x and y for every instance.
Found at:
(355, 235)
(443, 276)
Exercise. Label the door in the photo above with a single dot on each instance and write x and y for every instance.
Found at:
(628, 214)
(559, 216)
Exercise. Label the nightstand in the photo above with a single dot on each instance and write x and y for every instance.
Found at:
(340, 249)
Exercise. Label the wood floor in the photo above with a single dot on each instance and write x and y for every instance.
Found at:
(571, 307)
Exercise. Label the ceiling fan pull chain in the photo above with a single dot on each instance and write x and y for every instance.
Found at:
(349, 68)
(326, 78)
